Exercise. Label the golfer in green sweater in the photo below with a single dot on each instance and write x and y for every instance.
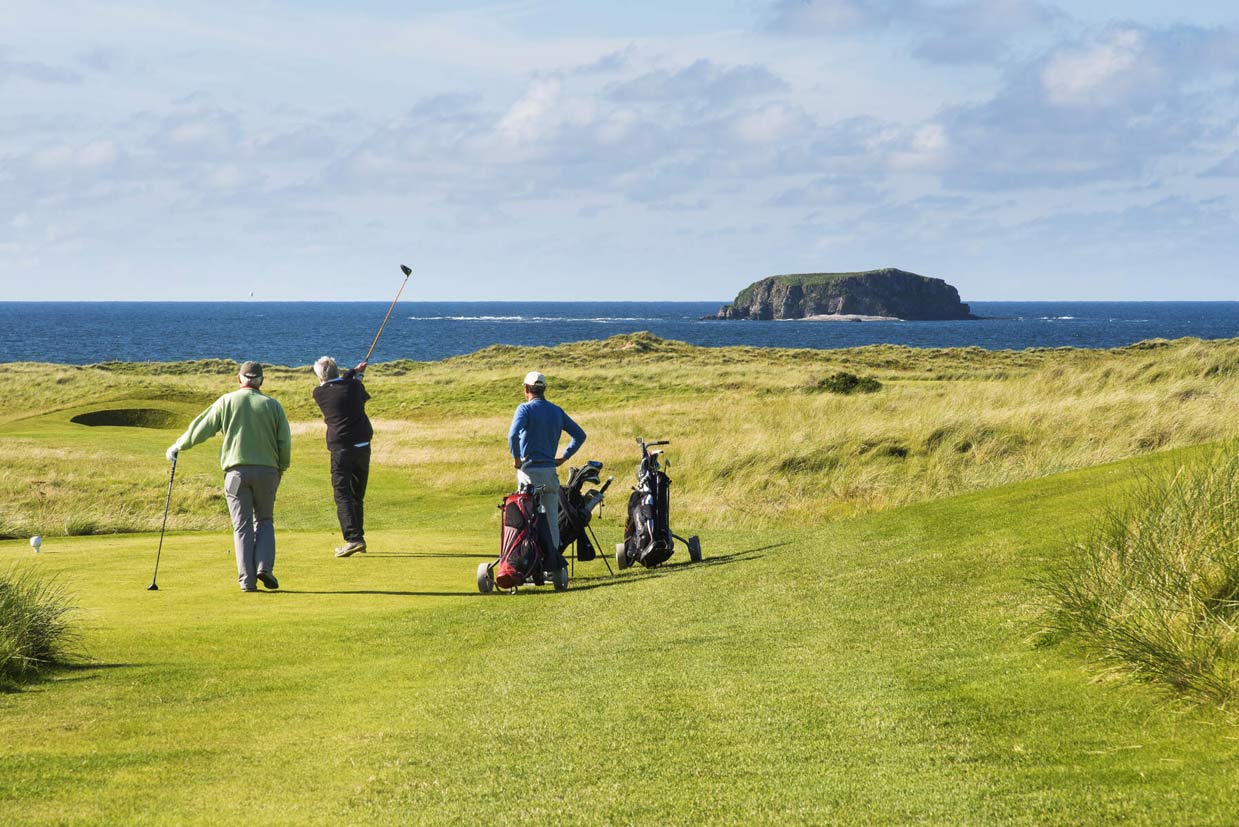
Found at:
(256, 452)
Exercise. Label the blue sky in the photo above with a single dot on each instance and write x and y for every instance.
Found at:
(551, 150)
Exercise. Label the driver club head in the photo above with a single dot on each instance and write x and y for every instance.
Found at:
(406, 270)
(152, 588)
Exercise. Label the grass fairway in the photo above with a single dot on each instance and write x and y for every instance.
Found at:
(857, 647)
(876, 670)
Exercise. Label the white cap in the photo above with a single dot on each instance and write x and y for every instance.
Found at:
(535, 380)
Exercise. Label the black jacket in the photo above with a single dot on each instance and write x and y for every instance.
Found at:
(343, 404)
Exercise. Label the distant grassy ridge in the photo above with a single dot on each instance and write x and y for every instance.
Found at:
(757, 440)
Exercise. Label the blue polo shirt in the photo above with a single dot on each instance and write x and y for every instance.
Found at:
(535, 431)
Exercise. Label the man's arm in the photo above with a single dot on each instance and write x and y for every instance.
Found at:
(358, 373)
(283, 439)
(514, 434)
(206, 425)
(578, 439)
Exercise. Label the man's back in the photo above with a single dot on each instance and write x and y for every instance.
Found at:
(254, 426)
(535, 432)
(343, 403)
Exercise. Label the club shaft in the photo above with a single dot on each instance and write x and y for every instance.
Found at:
(166, 505)
(385, 318)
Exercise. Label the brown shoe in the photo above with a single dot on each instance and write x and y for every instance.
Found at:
(349, 549)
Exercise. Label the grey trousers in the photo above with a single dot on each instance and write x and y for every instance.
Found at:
(250, 491)
(548, 480)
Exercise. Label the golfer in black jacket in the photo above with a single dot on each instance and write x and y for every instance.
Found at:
(342, 399)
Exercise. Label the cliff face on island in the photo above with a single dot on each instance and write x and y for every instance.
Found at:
(888, 292)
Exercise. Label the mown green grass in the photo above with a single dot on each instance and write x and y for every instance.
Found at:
(879, 670)
(817, 669)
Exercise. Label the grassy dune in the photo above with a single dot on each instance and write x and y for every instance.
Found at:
(760, 443)
(859, 647)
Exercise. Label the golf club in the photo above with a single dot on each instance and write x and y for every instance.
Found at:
(407, 272)
(171, 476)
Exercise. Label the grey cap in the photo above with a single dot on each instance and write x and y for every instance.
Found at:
(251, 370)
(535, 380)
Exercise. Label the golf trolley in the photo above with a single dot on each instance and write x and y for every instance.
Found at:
(648, 539)
(525, 534)
(524, 540)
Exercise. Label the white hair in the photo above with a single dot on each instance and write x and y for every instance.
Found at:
(326, 368)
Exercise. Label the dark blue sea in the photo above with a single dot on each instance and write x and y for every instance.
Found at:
(296, 333)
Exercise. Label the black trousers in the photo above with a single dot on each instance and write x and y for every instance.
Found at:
(350, 468)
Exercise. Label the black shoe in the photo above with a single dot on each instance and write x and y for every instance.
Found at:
(268, 580)
(250, 589)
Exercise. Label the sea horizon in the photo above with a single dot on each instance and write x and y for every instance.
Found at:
(297, 332)
(568, 301)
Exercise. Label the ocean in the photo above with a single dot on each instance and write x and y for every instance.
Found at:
(296, 333)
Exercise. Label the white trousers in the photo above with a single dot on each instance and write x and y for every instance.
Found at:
(546, 479)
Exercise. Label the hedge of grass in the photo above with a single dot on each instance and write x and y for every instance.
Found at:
(1154, 592)
(35, 632)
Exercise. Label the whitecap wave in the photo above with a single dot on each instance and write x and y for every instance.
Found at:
(594, 319)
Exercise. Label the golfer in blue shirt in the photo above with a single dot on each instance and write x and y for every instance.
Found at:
(533, 441)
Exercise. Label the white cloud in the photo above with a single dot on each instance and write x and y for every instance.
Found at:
(68, 157)
(536, 114)
(703, 82)
(33, 70)
(971, 31)
(478, 141)
(1108, 107)
(770, 124)
(1088, 76)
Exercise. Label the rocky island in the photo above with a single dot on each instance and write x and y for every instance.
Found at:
(864, 296)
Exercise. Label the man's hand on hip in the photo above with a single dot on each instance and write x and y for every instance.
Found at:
(560, 461)
(516, 463)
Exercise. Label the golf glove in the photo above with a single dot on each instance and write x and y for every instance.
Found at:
(171, 454)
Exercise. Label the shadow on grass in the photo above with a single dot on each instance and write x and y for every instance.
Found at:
(428, 554)
(579, 584)
(59, 673)
(587, 582)
(376, 591)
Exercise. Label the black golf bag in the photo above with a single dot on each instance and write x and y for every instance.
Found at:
(648, 539)
(647, 531)
(576, 509)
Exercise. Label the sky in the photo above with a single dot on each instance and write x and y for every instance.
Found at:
(531, 150)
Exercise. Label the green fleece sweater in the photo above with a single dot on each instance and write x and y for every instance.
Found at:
(255, 430)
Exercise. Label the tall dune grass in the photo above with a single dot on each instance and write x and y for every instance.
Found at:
(35, 633)
(755, 440)
(1154, 593)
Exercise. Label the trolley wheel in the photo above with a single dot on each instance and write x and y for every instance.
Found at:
(559, 579)
(485, 584)
(694, 549)
(621, 559)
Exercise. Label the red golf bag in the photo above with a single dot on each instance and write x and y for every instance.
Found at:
(520, 551)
